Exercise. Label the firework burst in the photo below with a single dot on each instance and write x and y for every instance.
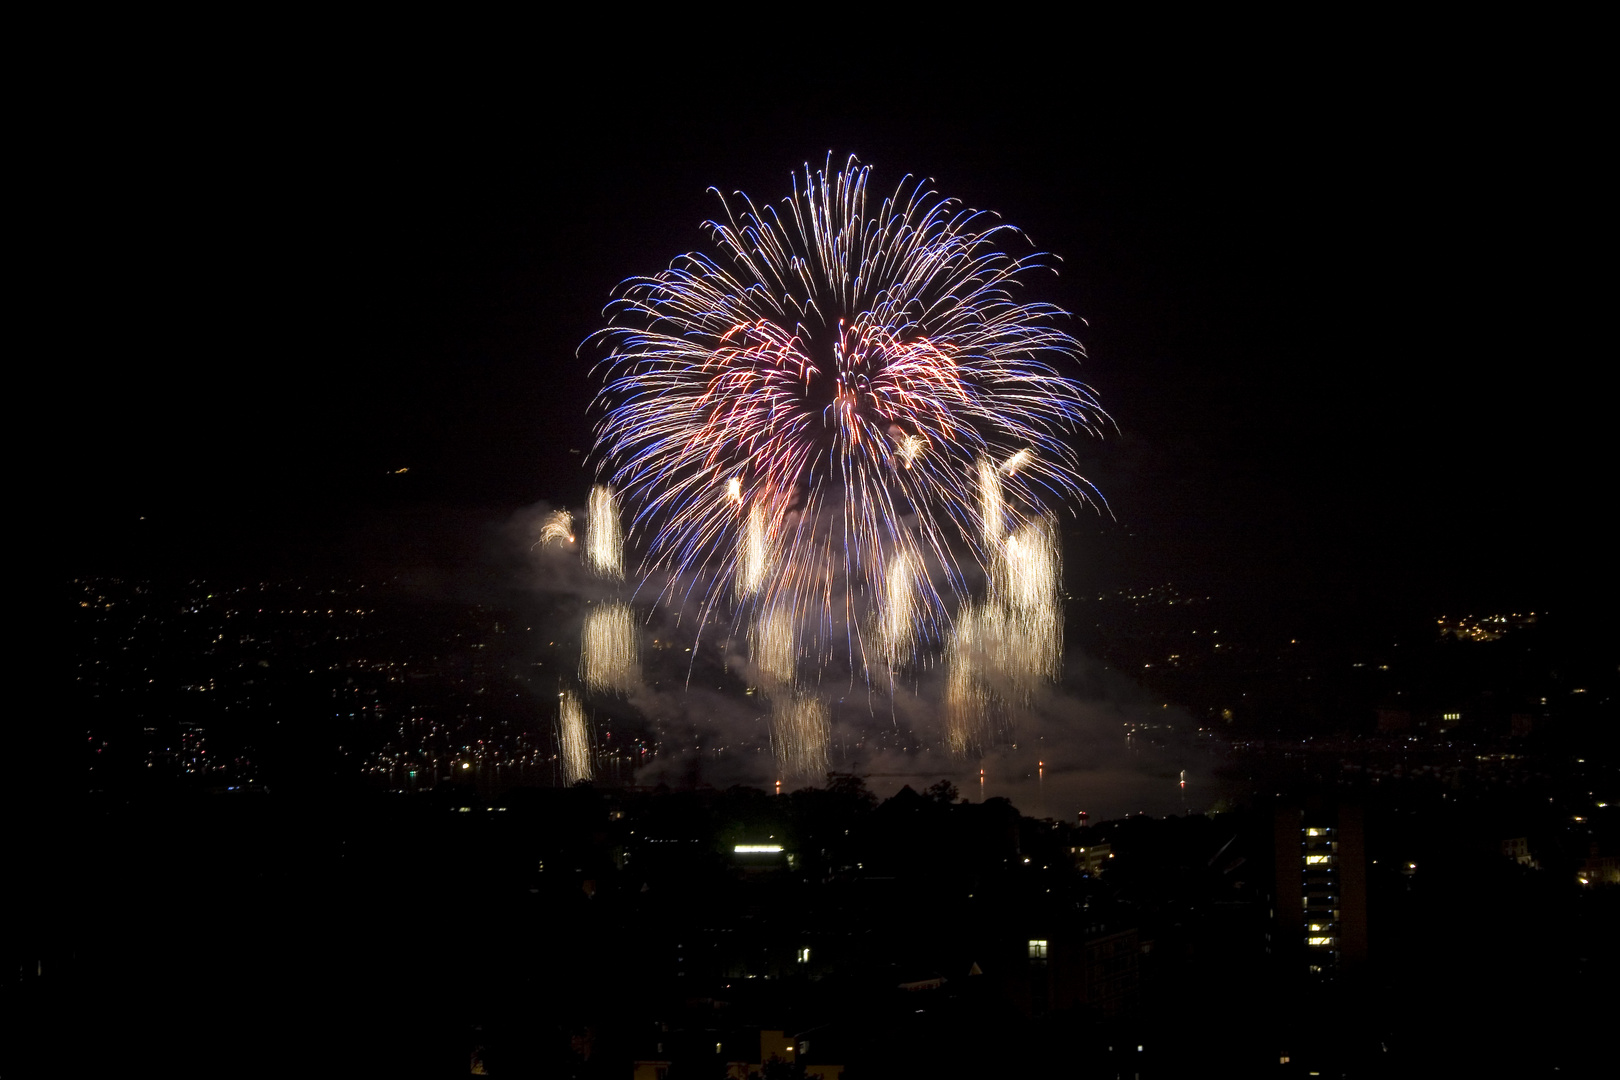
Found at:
(839, 416)
(832, 375)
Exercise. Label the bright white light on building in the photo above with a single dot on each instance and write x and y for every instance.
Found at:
(757, 849)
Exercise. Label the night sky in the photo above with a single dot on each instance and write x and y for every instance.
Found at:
(1339, 314)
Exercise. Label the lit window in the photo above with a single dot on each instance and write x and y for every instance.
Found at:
(1317, 832)
(1037, 949)
(1315, 860)
(804, 955)
(1325, 942)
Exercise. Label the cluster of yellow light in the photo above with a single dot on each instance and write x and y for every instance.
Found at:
(604, 541)
(1484, 627)
(607, 653)
(573, 737)
(909, 448)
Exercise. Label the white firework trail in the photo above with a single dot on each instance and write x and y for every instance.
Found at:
(608, 661)
(753, 553)
(897, 619)
(992, 508)
(604, 539)
(1029, 572)
(1017, 461)
(1026, 583)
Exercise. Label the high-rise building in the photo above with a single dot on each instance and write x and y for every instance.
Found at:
(1320, 898)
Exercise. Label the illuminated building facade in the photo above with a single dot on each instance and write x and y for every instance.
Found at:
(1320, 900)
(1095, 966)
(1092, 859)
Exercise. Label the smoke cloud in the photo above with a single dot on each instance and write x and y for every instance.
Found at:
(1091, 741)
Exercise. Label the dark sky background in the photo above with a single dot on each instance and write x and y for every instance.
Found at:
(1342, 316)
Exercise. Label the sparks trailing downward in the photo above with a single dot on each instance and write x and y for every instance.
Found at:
(558, 529)
(604, 542)
(836, 412)
(607, 652)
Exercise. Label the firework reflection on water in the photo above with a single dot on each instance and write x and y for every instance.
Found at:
(573, 738)
(774, 647)
(800, 729)
(967, 698)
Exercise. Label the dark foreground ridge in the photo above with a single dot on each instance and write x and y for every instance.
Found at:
(636, 933)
